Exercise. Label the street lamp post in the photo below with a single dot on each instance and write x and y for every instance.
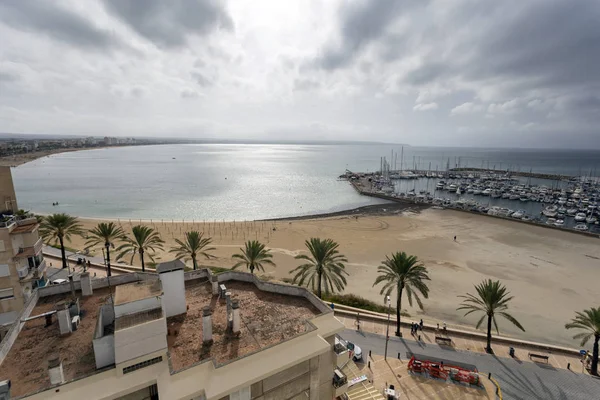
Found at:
(387, 331)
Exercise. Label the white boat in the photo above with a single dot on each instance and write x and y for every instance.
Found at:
(591, 219)
(559, 223)
(571, 211)
(487, 192)
(514, 197)
(505, 195)
(518, 214)
(580, 217)
(550, 221)
(452, 187)
(562, 210)
(550, 211)
(526, 218)
(477, 192)
(496, 194)
(581, 227)
(458, 192)
(523, 198)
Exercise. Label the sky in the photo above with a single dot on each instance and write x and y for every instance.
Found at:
(508, 73)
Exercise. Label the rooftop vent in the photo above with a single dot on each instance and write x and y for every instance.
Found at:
(5, 390)
(55, 370)
(64, 317)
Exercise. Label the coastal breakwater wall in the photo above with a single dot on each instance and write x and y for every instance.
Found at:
(552, 177)
(408, 201)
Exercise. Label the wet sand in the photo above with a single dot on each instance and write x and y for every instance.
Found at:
(551, 273)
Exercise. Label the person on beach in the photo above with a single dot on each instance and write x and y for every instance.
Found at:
(421, 324)
(444, 328)
(455, 238)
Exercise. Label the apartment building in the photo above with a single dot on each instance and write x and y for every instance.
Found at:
(174, 335)
(22, 265)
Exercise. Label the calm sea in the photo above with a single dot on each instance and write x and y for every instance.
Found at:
(243, 182)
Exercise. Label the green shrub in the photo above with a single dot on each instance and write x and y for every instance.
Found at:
(352, 300)
(217, 270)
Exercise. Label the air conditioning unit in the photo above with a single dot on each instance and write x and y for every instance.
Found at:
(75, 322)
(23, 272)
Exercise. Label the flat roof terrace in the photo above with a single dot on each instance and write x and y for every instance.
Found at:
(266, 320)
(26, 364)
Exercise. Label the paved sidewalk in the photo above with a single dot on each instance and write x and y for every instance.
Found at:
(464, 342)
(519, 380)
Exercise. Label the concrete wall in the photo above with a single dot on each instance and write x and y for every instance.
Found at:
(137, 306)
(173, 297)
(8, 197)
(97, 283)
(104, 351)
(14, 331)
(140, 340)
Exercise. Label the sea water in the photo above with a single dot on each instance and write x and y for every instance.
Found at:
(245, 181)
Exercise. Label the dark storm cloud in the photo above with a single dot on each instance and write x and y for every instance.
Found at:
(553, 43)
(48, 18)
(168, 23)
(361, 23)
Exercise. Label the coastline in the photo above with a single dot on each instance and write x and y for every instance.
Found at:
(20, 159)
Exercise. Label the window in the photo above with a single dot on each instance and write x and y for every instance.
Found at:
(4, 270)
(141, 365)
(6, 293)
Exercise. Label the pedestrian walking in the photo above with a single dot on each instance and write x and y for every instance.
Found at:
(444, 328)
(421, 324)
(357, 322)
(455, 238)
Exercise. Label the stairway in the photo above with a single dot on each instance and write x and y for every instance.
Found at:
(363, 390)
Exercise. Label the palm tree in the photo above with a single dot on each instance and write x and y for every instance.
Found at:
(589, 320)
(492, 298)
(324, 268)
(254, 256)
(60, 227)
(144, 240)
(403, 272)
(105, 234)
(192, 246)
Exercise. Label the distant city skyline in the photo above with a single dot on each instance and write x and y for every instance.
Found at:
(426, 73)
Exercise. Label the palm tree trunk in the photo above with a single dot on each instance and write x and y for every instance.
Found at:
(319, 284)
(194, 262)
(595, 356)
(108, 273)
(62, 251)
(398, 308)
(142, 260)
(488, 348)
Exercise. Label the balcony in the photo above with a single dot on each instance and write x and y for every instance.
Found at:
(339, 382)
(26, 252)
(341, 352)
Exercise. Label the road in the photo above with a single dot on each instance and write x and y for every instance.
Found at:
(519, 380)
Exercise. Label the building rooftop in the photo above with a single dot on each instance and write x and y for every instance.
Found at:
(137, 291)
(172, 265)
(266, 320)
(26, 363)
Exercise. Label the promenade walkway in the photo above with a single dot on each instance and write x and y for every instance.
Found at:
(464, 340)
(518, 379)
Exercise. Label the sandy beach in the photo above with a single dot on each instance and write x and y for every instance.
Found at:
(551, 273)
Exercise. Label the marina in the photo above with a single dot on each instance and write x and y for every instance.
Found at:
(551, 200)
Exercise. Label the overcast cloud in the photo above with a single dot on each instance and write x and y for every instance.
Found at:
(455, 73)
